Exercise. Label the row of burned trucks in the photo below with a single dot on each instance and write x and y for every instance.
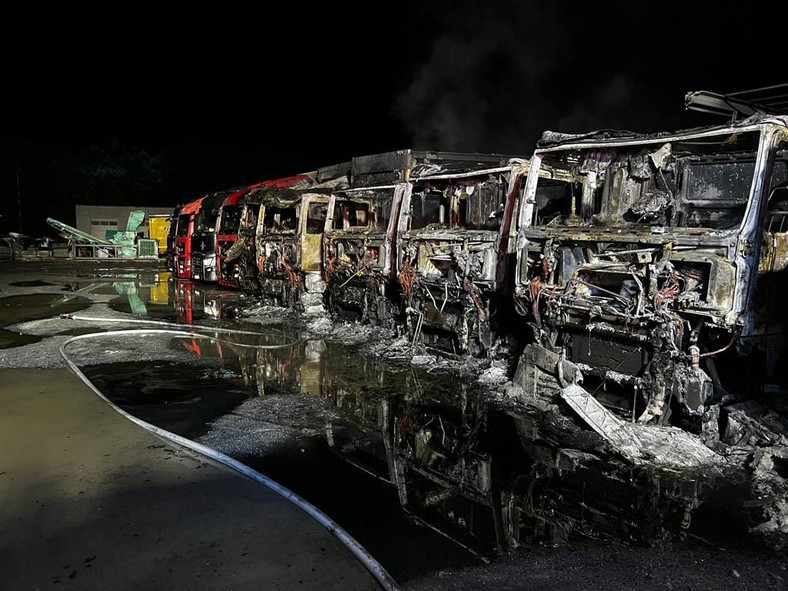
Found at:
(370, 240)
(644, 271)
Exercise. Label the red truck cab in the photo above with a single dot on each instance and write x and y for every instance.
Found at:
(183, 234)
(203, 237)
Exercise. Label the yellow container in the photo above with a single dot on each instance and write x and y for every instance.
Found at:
(158, 228)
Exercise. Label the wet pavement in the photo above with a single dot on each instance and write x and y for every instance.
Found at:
(306, 427)
(14, 309)
(91, 501)
(409, 460)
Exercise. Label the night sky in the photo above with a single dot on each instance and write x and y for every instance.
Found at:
(291, 87)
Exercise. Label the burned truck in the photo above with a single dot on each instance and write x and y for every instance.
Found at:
(231, 215)
(643, 260)
(288, 238)
(182, 243)
(358, 257)
(453, 230)
(239, 212)
(649, 272)
(414, 244)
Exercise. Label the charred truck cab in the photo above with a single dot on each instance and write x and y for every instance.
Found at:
(203, 238)
(455, 219)
(359, 237)
(239, 212)
(231, 214)
(416, 241)
(183, 242)
(649, 269)
(289, 238)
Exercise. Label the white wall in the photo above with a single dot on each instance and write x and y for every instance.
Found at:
(109, 214)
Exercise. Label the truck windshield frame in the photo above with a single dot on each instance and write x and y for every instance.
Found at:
(701, 182)
(183, 225)
(230, 219)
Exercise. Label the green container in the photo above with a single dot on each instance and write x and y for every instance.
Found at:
(147, 249)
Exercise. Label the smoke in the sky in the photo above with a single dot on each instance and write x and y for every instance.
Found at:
(496, 78)
(605, 104)
(473, 92)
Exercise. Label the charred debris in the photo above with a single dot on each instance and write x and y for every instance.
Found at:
(636, 281)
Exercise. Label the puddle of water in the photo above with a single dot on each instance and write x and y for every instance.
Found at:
(179, 301)
(103, 288)
(317, 432)
(181, 399)
(10, 339)
(23, 308)
(140, 276)
(161, 297)
(36, 283)
(134, 304)
(425, 471)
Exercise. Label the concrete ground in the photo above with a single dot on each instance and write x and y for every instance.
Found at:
(90, 500)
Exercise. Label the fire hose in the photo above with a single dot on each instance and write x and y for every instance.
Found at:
(383, 578)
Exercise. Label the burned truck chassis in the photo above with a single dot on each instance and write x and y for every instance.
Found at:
(649, 362)
(454, 319)
(363, 297)
(276, 284)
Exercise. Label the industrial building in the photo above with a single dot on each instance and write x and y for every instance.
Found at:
(100, 219)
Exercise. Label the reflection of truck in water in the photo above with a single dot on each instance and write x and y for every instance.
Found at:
(489, 473)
